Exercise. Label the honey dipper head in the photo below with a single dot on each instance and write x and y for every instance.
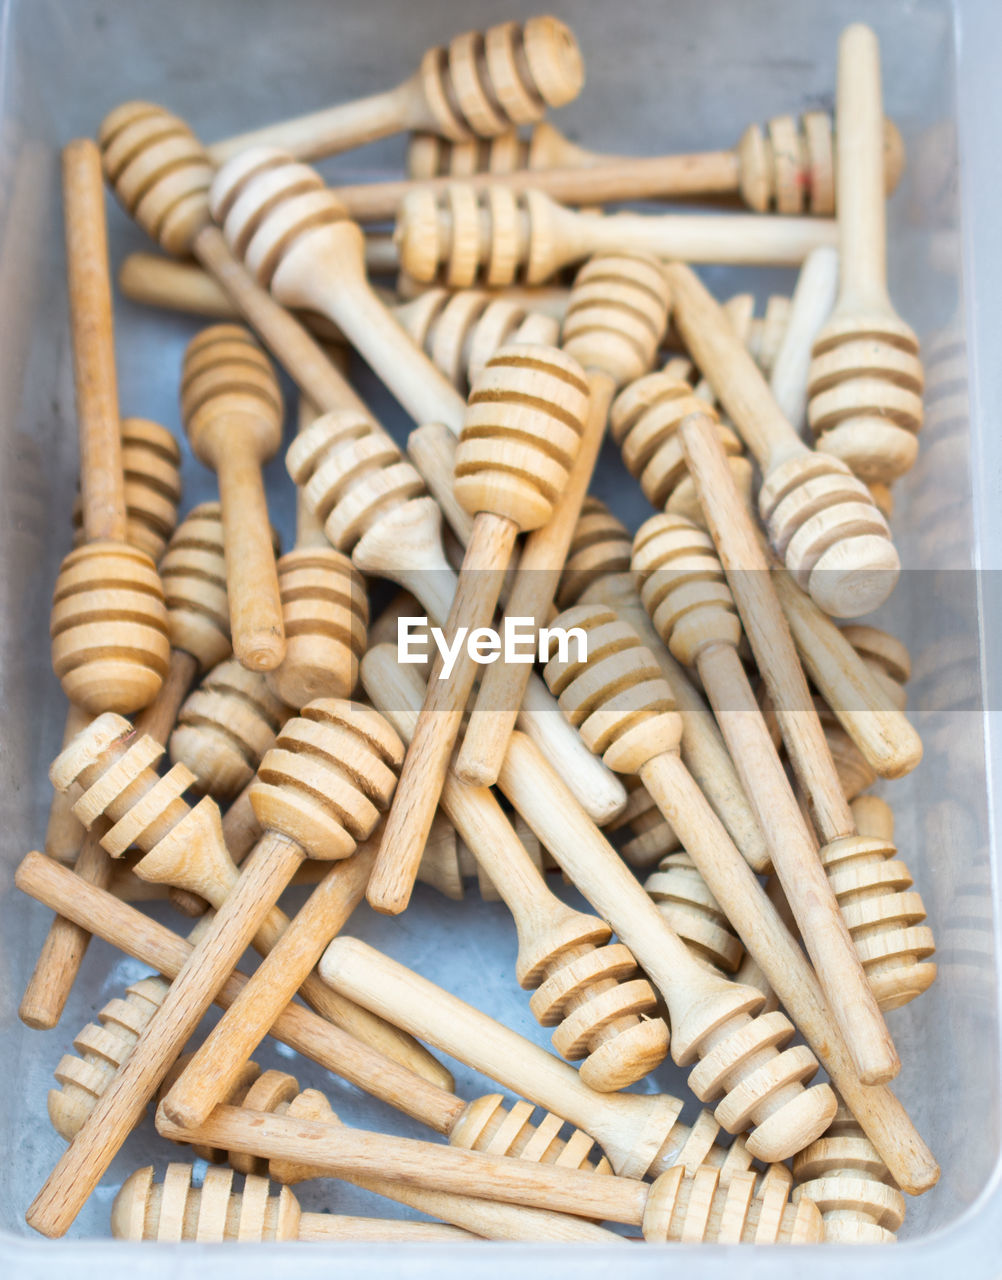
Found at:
(823, 523)
(616, 696)
(228, 385)
(193, 572)
(174, 1210)
(600, 546)
(269, 204)
(617, 314)
(521, 433)
(328, 777)
(683, 587)
(485, 82)
(110, 645)
(159, 171)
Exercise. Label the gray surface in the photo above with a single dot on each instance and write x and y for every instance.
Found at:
(660, 78)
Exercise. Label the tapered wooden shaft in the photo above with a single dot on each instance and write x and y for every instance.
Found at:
(749, 579)
(298, 1027)
(433, 451)
(88, 1156)
(821, 519)
(209, 1076)
(813, 299)
(427, 759)
(480, 84)
(800, 872)
(582, 985)
(89, 280)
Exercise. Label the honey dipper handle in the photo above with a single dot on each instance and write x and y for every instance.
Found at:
(212, 1072)
(291, 345)
(101, 478)
(795, 859)
(119, 1110)
(811, 305)
(860, 173)
(326, 132)
(427, 759)
(539, 568)
(251, 576)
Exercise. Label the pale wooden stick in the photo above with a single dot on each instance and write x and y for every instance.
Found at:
(813, 299)
(685, 592)
(616, 317)
(589, 1195)
(511, 467)
(209, 1076)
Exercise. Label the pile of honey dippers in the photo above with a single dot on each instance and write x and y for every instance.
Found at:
(693, 749)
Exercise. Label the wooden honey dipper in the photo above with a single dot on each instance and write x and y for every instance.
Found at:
(484, 1124)
(296, 797)
(151, 463)
(232, 412)
(649, 747)
(184, 847)
(616, 318)
(821, 519)
(225, 726)
(374, 506)
(678, 1206)
(604, 1013)
(152, 490)
(866, 377)
(296, 240)
(174, 1210)
(521, 435)
(683, 898)
(897, 972)
(686, 593)
(461, 236)
(324, 608)
(845, 1177)
(480, 84)
(787, 167)
(109, 627)
(597, 571)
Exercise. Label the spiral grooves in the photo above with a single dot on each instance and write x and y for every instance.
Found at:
(521, 433)
(487, 1125)
(697, 1207)
(151, 461)
(821, 519)
(622, 707)
(326, 613)
(644, 421)
(651, 836)
(431, 156)
(603, 1011)
(102, 1048)
(174, 1210)
(351, 473)
(682, 897)
(225, 372)
(600, 546)
(616, 315)
(459, 332)
(225, 726)
(159, 171)
(461, 237)
(110, 644)
(884, 915)
(846, 1178)
(485, 82)
(328, 777)
(684, 588)
(865, 386)
(193, 572)
(265, 201)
